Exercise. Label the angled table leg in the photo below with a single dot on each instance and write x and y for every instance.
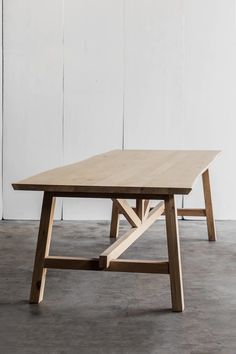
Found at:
(175, 268)
(208, 205)
(42, 250)
(115, 220)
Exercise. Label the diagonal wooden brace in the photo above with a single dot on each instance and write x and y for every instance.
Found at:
(146, 208)
(128, 212)
(119, 246)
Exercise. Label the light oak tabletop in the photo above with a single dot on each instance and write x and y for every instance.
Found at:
(126, 171)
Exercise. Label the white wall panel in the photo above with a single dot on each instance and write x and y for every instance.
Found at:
(93, 89)
(210, 94)
(167, 66)
(32, 98)
(153, 74)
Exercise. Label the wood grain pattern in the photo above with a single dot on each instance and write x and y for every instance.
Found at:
(139, 172)
(191, 212)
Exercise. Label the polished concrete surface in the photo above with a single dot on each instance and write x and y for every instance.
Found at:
(120, 313)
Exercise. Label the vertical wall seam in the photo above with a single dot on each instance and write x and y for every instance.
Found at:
(183, 84)
(2, 108)
(123, 96)
(63, 91)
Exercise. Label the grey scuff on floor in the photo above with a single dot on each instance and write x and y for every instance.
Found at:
(120, 313)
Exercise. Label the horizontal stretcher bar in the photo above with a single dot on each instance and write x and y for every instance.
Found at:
(184, 212)
(123, 242)
(118, 265)
(191, 212)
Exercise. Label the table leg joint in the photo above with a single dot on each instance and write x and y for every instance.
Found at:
(125, 241)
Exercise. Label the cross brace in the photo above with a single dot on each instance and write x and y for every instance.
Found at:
(141, 218)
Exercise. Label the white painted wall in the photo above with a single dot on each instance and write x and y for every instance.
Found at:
(93, 89)
(153, 74)
(32, 98)
(1, 109)
(168, 65)
(210, 94)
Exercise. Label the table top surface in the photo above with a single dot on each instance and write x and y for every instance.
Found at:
(126, 171)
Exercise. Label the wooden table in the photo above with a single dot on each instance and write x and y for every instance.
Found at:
(142, 175)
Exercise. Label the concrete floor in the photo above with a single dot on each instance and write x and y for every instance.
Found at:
(115, 313)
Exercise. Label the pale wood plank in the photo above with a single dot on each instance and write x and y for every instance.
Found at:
(118, 195)
(140, 204)
(174, 255)
(118, 265)
(115, 218)
(57, 262)
(191, 212)
(128, 212)
(137, 172)
(146, 208)
(139, 266)
(42, 250)
(119, 246)
(209, 208)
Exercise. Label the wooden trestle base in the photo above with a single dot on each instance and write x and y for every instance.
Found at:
(140, 218)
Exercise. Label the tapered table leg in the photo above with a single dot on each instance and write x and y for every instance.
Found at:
(209, 208)
(42, 250)
(115, 219)
(175, 268)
